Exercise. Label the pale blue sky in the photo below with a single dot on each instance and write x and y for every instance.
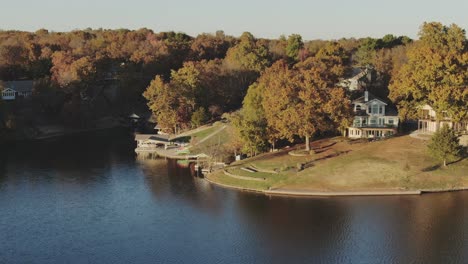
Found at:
(312, 19)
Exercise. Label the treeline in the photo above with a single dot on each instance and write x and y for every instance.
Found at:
(189, 80)
(205, 75)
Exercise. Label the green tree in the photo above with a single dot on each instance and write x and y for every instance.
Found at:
(294, 46)
(444, 145)
(249, 54)
(251, 122)
(366, 51)
(199, 117)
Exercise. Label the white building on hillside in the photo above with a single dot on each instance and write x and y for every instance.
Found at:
(359, 80)
(429, 122)
(373, 118)
(12, 90)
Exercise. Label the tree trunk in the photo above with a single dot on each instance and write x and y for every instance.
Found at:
(307, 137)
(445, 163)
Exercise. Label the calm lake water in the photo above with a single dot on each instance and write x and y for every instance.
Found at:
(87, 199)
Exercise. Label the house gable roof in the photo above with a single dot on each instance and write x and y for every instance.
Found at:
(371, 98)
(376, 100)
(8, 90)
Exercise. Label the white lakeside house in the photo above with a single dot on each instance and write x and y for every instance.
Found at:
(373, 118)
(429, 122)
(358, 81)
(15, 89)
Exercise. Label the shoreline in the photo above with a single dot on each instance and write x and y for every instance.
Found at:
(396, 166)
(73, 132)
(60, 135)
(310, 194)
(161, 154)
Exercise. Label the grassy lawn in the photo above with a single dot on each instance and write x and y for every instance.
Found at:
(198, 135)
(215, 144)
(271, 179)
(204, 133)
(395, 163)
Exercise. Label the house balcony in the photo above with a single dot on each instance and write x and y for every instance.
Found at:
(373, 126)
(360, 113)
(427, 117)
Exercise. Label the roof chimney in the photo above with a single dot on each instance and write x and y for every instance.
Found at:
(366, 96)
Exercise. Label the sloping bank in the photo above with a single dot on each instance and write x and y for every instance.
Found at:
(395, 166)
(307, 193)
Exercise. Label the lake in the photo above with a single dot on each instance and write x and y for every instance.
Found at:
(88, 199)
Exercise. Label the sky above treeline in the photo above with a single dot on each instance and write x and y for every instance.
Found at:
(325, 19)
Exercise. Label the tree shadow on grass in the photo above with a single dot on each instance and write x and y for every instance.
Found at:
(456, 161)
(431, 168)
(324, 147)
(311, 163)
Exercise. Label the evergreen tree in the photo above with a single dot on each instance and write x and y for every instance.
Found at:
(444, 145)
(294, 46)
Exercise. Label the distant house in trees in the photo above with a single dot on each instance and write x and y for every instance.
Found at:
(359, 80)
(14, 89)
(160, 130)
(373, 118)
(430, 122)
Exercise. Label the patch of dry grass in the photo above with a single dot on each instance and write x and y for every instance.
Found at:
(396, 163)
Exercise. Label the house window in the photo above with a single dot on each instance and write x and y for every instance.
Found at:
(357, 122)
(358, 107)
(370, 109)
(375, 109)
(380, 109)
(373, 121)
(390, 121)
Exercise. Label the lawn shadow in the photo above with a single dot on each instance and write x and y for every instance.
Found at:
(184, 139)
(323, 147)
(310, 163)
(431, 168)
(456, 161)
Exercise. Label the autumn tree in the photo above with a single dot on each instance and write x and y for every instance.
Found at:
(435, 73)
(303, 101)
(210, 47)
(444, 145)
(162, 101)
(277, 48)
(67, 68)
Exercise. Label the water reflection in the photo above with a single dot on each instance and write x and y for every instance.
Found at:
(88, 199)
(168, 180)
